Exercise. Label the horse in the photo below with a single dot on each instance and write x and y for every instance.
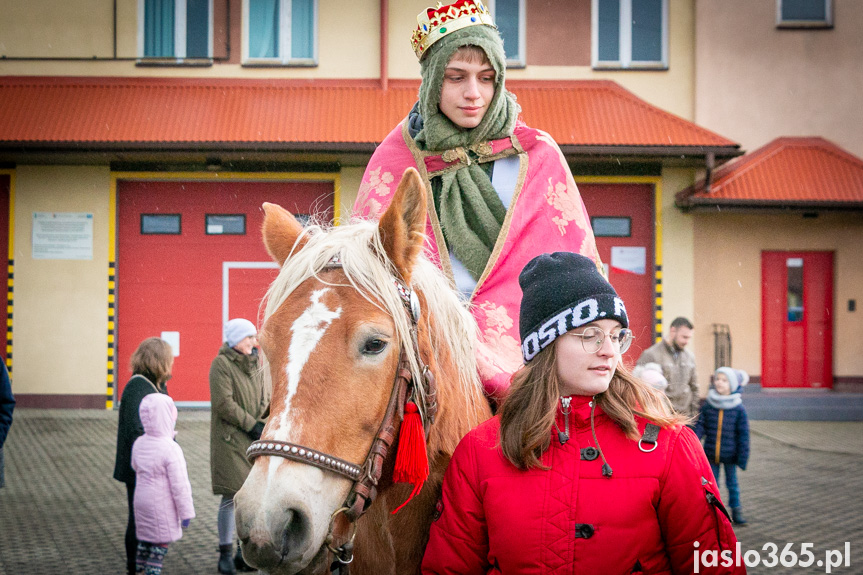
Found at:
(357, 324)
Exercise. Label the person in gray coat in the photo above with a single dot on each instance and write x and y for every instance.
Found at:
(678, 367)
(240, 405)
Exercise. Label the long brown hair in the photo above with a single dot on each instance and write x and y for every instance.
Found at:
(528, 412)
(153, 359)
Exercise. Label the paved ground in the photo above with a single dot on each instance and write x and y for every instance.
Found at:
(62, 513)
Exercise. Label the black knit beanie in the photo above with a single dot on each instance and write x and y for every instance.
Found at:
(562, 291)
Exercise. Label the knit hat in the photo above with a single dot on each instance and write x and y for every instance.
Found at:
(237, 330)
(562, 291)
(651, 373)
(737, 378)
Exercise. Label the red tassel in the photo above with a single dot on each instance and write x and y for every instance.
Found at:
(412, 464)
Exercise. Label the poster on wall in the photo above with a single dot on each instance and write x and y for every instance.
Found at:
(629, 259)
(62, 236)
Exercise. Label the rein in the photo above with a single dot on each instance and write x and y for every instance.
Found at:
(365, 477)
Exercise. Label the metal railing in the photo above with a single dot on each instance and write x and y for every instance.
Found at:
(721, 345)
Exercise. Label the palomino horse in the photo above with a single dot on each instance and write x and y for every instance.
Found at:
(339, 330)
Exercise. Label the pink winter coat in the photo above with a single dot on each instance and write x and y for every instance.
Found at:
(163, 494)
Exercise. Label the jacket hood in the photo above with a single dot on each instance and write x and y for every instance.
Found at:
(248, 363)
(158, 415)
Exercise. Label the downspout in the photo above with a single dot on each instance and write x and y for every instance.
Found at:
(709, 163)
(385, 8)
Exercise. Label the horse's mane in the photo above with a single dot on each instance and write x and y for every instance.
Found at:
(358, 247)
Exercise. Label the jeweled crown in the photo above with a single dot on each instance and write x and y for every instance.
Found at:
(435, 23)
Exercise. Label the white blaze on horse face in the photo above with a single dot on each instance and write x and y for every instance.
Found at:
(307, 330)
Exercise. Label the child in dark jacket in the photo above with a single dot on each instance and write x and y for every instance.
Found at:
(724, 426)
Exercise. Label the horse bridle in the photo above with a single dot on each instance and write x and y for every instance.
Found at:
(365, 477)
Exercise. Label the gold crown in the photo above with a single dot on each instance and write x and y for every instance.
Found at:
(435, 23)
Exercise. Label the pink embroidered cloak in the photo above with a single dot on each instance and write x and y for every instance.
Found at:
(546, 214)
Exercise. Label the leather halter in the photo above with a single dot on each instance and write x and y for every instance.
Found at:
(366, 477)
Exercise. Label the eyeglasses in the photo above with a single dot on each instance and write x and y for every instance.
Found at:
(592, 339)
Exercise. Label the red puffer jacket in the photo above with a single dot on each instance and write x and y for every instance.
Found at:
(646, 518)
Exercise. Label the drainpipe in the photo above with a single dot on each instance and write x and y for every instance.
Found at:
(385, 8)
(709, 162)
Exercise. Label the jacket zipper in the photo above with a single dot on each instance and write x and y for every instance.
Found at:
(718, 435)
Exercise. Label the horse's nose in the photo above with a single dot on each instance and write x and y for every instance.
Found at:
(274, 539)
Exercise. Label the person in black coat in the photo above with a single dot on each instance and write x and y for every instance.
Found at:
(7, 405)
(151, 366)
(724, 425)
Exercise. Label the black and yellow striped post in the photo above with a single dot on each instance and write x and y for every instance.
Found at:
(10, 308)
(112, 309)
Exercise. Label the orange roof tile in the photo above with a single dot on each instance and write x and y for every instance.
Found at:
(788, 172)
(273, 113)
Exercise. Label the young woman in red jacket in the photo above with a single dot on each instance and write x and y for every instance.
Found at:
(585, 469)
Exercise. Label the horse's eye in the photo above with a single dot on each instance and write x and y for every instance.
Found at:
(374, 346)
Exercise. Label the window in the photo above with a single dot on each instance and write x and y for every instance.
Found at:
(176, 29)
(611, 227)
(804, 13)
(160, 224)
(509, 16)
(795, 288)
(630, 34)
(226, 224)
(280, 32)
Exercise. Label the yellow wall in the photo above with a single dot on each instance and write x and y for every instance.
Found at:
(348, 41)
(61, 317)
(677, 250)
(756, 82)
(348, 47)
(56, 28)
(351, 178)
(728, 281)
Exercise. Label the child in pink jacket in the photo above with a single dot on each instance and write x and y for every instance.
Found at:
(163, 494)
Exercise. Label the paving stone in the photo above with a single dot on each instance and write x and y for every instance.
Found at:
(61, 512)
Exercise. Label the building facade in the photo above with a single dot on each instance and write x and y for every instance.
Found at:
(155, 129)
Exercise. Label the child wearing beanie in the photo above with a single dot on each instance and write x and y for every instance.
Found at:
(724, 425)
(585, 468)
(489, 213)
(651, 373)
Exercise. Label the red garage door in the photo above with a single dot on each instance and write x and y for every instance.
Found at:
(622, 216)
(5, 188)
(189, 255)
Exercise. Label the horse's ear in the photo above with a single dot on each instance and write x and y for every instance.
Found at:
(403, 224)
(280, 230)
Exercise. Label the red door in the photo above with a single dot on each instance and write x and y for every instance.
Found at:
(622, 216)
(189, 255)
(5, 188)
(797, 319)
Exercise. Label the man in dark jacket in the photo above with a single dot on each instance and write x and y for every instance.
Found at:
(7, 405)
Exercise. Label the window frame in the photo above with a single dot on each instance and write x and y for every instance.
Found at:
(628, 219)
(207, 231)
(625, 40)
(797, 24)
(520, 61)
(285, 7)
(180, 40)
(178, 216)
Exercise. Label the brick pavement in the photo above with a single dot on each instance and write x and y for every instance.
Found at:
(62, 513)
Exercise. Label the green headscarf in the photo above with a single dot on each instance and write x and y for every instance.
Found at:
(470, 210)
